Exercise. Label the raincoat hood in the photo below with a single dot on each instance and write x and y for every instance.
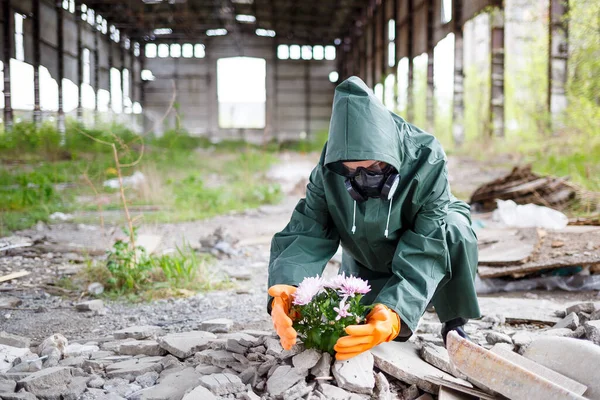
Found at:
(361, 127)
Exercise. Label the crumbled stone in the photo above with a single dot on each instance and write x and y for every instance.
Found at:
(96, 382)
(259, 349)
(275, 349)
(333, 392)
(495, 319)
(17, 396)
(138, 332)
(137, 347)
(307, 359)
(494, 337)
(249, 376)
(297, 391)
(54, 348)
(200, 393)
(587, 307)
(9, 339)
(7, 385)
(382, 387)
(122, 387)
(49, 377)
(90, 305)
(9, 302)
(148, 379)
(249, 395)
(571, 321)
(219, 358)
(411, 392)
(101, 354)
(234, 346)
(132, 368)
(522, 339)
(183, 345)
(592, 331)
(323, 366)
(356, 373)
(77, 350)
(173, 385)
(283, 378)
(27, 364)
(222, 384)
(564, 332)
(219, 325)
(208, 369)
(75, 362)
(266, 366)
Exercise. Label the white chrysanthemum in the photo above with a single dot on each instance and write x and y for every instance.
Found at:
(307, 289)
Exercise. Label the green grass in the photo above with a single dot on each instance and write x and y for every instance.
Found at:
(40, 175)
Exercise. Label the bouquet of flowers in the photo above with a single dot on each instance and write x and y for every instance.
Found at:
(323, 308)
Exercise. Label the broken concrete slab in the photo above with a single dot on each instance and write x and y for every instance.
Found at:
(235, 346)
(9, 339)
(275, 349)
(218, 358)
(208, 369)
(382, 387)
(173, 386)
(78, 350)
(222, 384)
(7, 385)
(132, 368)
(283, 378)
(565, 356)
(322, 368)
(138, 332)
(90, 305)
(356, 373)
(564, 332)
(438, 357)
(307, 359)
(539, 369)
(592, 331)
(494, 337)
(500, 247)
(521, 310)
(200, 392)
(218, 325)
(146, 347)
(449, 394)
(8, 354)
(184, 344)
(402, 361)
(333, 392)
(501, 375)
(571, 321)
(47, 378)
(587, 307)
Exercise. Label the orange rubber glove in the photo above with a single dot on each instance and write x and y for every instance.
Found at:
(280, 313)
(383, 325)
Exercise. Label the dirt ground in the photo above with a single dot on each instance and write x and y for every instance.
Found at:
(43, 312)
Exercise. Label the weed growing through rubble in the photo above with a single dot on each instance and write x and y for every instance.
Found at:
(324, 308)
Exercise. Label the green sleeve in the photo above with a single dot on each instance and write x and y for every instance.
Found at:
(308, 242)
(421, 259)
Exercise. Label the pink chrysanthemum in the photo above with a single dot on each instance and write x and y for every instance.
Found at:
(336, 282)
(307, 289)
(342, 310)
(353, 285)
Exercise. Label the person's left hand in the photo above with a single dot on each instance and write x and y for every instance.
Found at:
(383, 325)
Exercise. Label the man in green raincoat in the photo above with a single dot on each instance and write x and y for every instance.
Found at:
(380, 190)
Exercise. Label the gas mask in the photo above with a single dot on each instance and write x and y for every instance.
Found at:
(364, 183)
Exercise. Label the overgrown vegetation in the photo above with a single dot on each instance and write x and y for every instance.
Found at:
(185, 177)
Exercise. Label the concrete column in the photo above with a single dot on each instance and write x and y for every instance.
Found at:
(410, 114)
(8, 50)
(458, 105)
(430, 99)
(557, 64)
(122, 73)
(145, 125)
(497, 92)
(110, 66)
(61, 64)
(79, 23)
(96, 75)
(307, 99)
(37, 112)
(133, 77)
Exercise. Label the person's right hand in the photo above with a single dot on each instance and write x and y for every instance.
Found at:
(280, 313)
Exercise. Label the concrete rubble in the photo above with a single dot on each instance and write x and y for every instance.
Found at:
(146, 363)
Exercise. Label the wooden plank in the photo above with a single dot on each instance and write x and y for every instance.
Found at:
(14, 275)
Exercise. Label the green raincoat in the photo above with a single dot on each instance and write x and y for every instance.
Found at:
(405, 268)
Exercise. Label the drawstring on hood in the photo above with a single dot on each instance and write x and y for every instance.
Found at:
(354, 219)
(387, 224)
